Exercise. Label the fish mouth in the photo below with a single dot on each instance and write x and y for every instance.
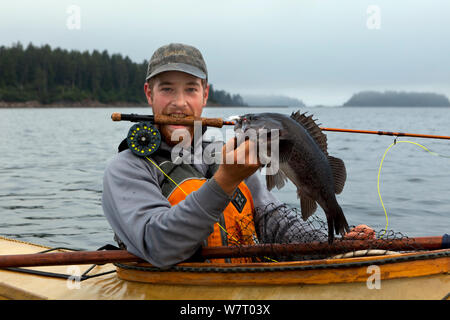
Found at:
(234, 118)
(244, 123)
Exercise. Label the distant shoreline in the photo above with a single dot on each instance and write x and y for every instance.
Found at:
(397, 99)
(351, 106)
(80, 104)
(96, 104)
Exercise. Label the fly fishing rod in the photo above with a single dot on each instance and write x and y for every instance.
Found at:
(387, 133)
(219, 123)
(111, 256)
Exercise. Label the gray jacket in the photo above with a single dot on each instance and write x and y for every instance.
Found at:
(164, 235)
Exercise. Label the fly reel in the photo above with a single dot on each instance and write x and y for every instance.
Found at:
(143, 139)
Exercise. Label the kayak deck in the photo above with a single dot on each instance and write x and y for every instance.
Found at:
(402, 276)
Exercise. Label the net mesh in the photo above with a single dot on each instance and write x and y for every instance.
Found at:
(280, 234)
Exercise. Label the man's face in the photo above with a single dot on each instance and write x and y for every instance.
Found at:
(176, 94)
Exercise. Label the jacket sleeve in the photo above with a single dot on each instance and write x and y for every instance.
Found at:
(275, 222)
(145, 221)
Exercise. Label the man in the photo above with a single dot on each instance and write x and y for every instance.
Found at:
(163, 212)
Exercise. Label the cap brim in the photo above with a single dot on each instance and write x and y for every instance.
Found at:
(182, 67)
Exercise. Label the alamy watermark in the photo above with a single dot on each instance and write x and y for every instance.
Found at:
(74, 281)
(73, 21)
(373, 21)
(374, 280)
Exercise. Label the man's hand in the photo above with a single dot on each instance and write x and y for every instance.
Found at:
(237, 164)
(361, 232)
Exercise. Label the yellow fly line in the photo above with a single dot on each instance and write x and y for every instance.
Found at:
(379, 172)
(178, 186)
(185, 193)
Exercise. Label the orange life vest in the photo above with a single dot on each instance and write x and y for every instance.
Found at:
(235, 226)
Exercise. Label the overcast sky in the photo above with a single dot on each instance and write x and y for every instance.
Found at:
(319, 51)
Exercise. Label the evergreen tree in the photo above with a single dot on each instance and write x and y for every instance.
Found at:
(45, 75)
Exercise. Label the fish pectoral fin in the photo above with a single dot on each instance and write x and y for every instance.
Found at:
(308, 205)
(339, 173)
(276, 180)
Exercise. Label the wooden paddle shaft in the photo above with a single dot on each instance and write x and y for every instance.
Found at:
(420, 243)
(67, 258)
(102, 257)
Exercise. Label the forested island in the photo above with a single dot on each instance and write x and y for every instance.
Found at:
(272, 101)
(397, 99)
(42, 76)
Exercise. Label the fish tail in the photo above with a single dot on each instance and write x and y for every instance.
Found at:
(337, 223)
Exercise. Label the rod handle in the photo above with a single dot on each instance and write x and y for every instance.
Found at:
(188, 121)
(116, 116)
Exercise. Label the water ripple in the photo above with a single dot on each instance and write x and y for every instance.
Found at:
(52, 195)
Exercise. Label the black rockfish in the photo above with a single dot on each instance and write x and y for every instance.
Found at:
(303, 158)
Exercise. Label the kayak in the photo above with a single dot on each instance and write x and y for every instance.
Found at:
(397, 275)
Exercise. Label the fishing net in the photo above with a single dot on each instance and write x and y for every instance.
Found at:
(280, 234)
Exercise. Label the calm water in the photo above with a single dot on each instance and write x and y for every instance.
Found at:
(52, 163)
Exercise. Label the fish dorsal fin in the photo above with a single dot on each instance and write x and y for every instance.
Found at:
(339, 173)
(314, 130)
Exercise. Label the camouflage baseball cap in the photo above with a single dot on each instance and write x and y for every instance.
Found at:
(177, 57)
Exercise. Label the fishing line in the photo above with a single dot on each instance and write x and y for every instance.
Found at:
(186, 194)
(159, 168)
(143, 139)
(381, 164)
